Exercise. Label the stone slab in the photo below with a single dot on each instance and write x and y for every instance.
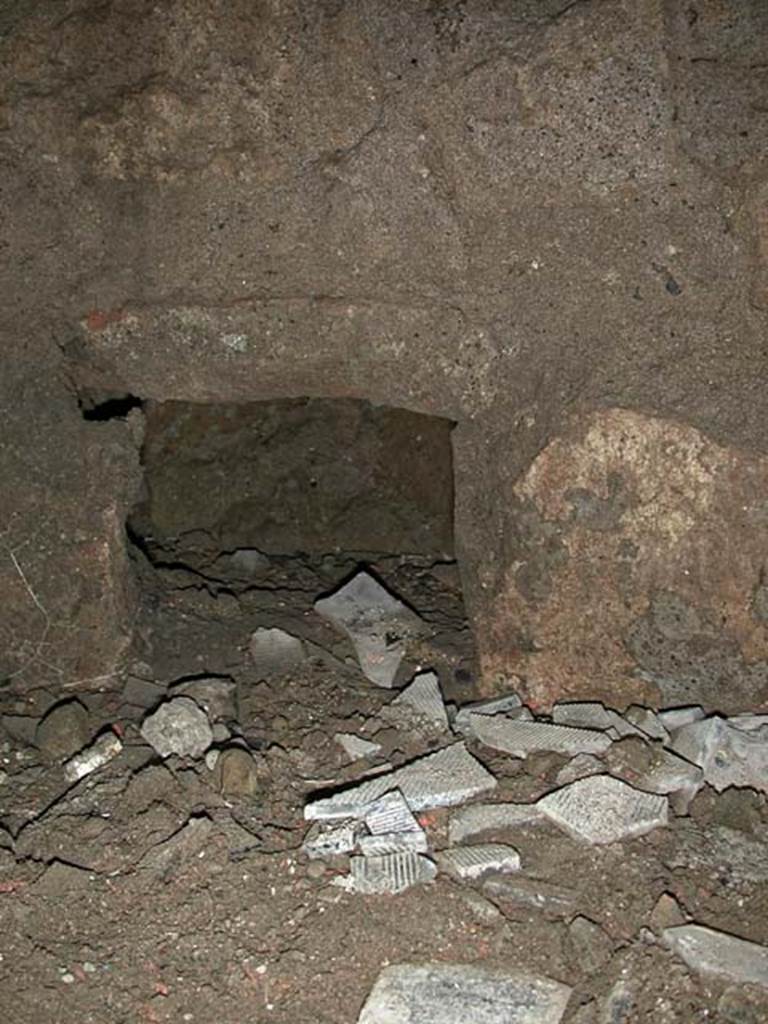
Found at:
(523, 738)
(601, 810)
(472, 862)
(475, 819)
(463, 994)
(716, 953)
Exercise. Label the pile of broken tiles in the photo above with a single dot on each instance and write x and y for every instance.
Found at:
(376, 823)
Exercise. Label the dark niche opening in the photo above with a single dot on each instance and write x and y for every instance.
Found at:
(252, 512)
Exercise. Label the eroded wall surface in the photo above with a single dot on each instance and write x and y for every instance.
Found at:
(524, 216)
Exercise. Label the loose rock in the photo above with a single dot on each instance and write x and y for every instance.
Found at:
(716, 953)
(179, 726)
(63, 731)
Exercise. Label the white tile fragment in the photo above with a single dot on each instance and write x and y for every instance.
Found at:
(387, 875)
(423, 699)
(325, 840)
(716, 953)
(523, 738)
(676, 718)
(463, 994)
(443, 779)
(355, 747)
(592, 715)
(601, 809)
(494, 706)
(579, 768)
(96, 756)
(472, 862)
(376, 622)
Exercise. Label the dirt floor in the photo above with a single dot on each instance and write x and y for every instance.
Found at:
(176, 890)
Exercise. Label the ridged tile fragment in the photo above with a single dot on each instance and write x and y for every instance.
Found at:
(423, 699)
(601, 809)
(523, 738)
(472, 862)
(387, 875)
(475, 819)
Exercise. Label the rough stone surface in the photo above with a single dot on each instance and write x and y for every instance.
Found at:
(64, 730)
(456, 994)
(508, 222)
(237, 773)
(179, 726)
(423, 700)
(600, 810)
(729, 752)
(715, 953)
(275, 651)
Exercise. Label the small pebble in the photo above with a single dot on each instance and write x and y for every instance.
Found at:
(315, 869)
(67, 978)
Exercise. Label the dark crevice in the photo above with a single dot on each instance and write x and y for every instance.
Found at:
(115, 408)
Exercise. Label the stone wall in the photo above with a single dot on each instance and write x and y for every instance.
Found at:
(544, 220)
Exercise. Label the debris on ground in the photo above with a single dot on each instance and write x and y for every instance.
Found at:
(387, 875)
(715, 953)
(274, 651)
(600, 809)
(472, 862)
(376, 622)
(179, 726)
(459, 993)
(63, 731)
(94, 757)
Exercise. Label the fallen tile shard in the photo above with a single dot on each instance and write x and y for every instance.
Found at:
(332, 840)
(376, 623)
(592, 715)
(443, 779)
(523, 738)
(387, 875)
(730, 752)
(96, 756)
(717, 953)
(463, 993)
(355, 747)
(478, 818)
(601, 809)
(495, 706)
(423, 699)
(472, 862)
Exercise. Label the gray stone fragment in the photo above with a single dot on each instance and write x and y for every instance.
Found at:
(647, 721)
(475, 819)
(180, 727)
(472, 862)
(443, 779)
(728, 753)
(96, 756)
(676, 718)
(387, 875)
(716, 953)
(423, 700)
(538, 894)
(216, 696)
(592, 715)
(579, 768)
(601, 809)
(463, 994)
(274, 651)
(355, 747)
(523, 738)
(63, 731)
(590, 946)
(495, 706)
(671, 774)
(376, 623)
(142, 693)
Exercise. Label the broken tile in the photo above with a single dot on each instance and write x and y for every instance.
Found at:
(463, 993)
(676, 718)
(495, 706)
(376, 622)
(579, 768)
(478, 818)
(423, 699)
(96, 756)
(728, 754)
(472, 862)
(601, 809)
(592, 715)
(523, 738)
(671, 774)
(443, 779)
(324, 840)
(390, 874)
(274, 651)
(647, 721)
(716, 953)
(393, 842)
(179, 726)
(355, 747)
(391, 814)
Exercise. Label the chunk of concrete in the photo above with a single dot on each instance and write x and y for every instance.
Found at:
(179, 726)
(495, 706)
(670, 774)
(579, 768)
(423, 700)
(355, 747)
(387, 875)
(100, 753)
(475, 819)
(523, 738)
(676, 718)
(593, 715)
(443, 779)
(376, 622)
(647, 721)
(216, 695)
(601, 810)
(463, 994)
(273, 651)
(472, 862)
(716, 953)
(731, 752)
